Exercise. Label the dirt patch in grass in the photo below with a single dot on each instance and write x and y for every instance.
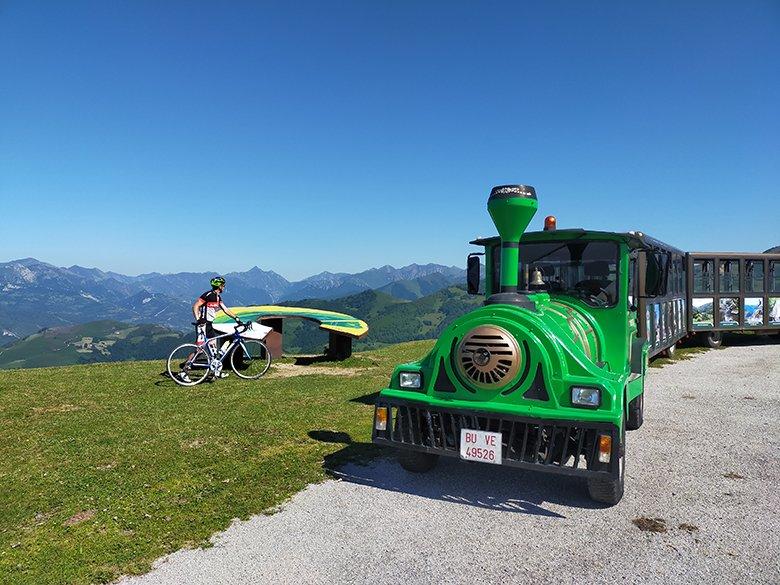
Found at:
(290, 371)
(56, 409)
(80, 517)
(193, 443)
(650, 524)
(732, 475)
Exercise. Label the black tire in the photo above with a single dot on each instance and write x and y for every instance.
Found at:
(714, 339)
(250, 359)
(188, 362)
(610, 490)
(636, 413)
(417, 461)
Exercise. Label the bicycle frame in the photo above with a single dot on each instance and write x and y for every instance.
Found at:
(216, 356)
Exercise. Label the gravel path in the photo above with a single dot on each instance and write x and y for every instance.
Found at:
(705, 463)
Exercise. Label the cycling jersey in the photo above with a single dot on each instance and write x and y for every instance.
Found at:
(209, 308)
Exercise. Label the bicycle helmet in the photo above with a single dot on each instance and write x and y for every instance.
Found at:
(217, 282)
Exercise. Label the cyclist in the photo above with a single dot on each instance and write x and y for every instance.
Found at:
(205, 309)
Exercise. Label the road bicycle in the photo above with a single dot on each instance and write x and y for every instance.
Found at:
(190, 364)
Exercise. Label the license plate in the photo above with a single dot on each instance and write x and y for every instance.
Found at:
(481, 446)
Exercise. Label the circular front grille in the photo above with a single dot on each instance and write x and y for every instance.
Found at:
(488, 356)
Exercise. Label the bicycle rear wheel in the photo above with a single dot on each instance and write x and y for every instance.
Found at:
(188, 364)
(250, 359)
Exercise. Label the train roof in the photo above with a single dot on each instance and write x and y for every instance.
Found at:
(638, 240)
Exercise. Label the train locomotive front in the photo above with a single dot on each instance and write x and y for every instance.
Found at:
(527, 380)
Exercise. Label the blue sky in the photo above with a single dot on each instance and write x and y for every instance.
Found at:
(301, 137)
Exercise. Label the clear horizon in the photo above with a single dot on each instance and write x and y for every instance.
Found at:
(307, 138)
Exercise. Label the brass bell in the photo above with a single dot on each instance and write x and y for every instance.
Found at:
(536, 279)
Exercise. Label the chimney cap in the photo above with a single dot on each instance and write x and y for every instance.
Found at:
(512, 192)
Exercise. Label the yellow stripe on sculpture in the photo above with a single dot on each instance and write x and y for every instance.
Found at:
(328, 320)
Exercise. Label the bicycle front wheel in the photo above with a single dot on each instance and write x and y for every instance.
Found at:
(250, 359)
(188, 364)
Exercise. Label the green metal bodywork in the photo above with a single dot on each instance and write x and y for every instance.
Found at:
(573, 343)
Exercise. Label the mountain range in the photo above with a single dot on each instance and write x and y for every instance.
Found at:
(391, 320)
(37, 295)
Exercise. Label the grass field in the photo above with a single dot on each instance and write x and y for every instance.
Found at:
(104, 468)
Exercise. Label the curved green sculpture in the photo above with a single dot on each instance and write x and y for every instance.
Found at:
(327, 320)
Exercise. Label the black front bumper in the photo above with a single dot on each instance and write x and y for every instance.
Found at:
(557, 446)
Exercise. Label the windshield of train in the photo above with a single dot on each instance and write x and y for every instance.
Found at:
(587, 270)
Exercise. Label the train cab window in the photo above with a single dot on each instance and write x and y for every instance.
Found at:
(587, 270)
(754, 276)
(702, 276)
(729, 276)
(774, 276)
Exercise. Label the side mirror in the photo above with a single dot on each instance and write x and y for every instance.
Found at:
(473, 274)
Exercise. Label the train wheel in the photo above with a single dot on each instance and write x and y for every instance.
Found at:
(714, 339)
(416, 461)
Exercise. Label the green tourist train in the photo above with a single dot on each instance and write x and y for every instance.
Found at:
(549, 373)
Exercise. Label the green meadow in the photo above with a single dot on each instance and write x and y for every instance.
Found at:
(106, 467)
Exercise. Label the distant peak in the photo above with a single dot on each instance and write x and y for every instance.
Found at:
(25, 261)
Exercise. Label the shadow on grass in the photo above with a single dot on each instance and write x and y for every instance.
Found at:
(369, 399)
(492, 487)
(165, 380)
(308, 360)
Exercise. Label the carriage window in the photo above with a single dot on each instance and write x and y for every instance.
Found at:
(681, 276)
(774, 276)
(677, 275)
(754, 276)
(702, 276)
(657, 269)
(729, 276)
